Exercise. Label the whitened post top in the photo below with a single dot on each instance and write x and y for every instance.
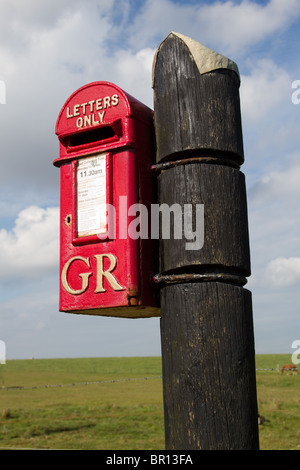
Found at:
(206, 59)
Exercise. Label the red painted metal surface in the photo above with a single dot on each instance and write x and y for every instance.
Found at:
(106, 151)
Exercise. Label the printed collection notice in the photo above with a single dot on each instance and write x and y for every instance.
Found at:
(91, 196)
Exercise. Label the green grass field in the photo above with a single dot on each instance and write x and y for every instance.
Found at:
(116, 403)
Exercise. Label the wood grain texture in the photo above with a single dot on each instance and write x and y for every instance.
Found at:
(226, 240)
(208, 367)
(195, 113)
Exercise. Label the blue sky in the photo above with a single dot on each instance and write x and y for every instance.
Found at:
(48, 49)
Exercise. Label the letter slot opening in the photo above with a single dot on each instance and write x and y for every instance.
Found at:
(88, 137)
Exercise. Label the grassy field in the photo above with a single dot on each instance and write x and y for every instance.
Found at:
(279, 403)
(116, 403)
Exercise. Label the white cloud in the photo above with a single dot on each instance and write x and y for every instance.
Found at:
(135, 73)
(266, 88)
(231, 26)
(283, 272)
(60, 54)
(279, 185)
(274, 216)
(31, 247)
(49, 49)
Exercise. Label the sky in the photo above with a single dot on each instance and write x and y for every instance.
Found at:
(50, 48)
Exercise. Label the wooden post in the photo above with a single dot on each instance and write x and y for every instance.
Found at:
(207, 338)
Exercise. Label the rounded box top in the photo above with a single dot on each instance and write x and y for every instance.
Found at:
(94, 104)
(96, 115)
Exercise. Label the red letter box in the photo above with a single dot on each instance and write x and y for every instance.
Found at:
(107, 257)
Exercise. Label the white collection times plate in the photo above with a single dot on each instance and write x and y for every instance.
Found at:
(91, 195)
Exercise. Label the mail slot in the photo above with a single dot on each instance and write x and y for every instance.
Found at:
(107, 257)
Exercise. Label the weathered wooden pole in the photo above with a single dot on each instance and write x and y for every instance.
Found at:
(207, 338)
